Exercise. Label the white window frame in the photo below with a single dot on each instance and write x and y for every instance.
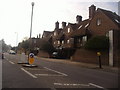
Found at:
(68, 41)
(98, 21)
(117, 21)
(68, 30)
(62, 41)
(84, 38)
(58, 42)
(80, 26)
(86, 25)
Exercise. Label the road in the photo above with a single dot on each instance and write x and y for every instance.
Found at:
(54, 75)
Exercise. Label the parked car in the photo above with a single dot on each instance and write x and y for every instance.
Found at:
(12, 52)
(55, 55)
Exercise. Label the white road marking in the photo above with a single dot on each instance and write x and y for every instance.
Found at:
(11, 62)
(72, 84)
(56, 71)
(47, 75)
(28, 73)
(97, 86)
(34, 69)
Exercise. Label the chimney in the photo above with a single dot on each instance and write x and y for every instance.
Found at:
(63, 25)
(57, 25)
(92, 10)
(78, 19)
(39, 35)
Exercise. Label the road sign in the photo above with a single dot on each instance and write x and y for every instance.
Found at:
(31, 58)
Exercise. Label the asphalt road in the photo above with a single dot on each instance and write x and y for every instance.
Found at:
(54, 75)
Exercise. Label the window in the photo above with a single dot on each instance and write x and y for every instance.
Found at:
(62, 41)
(86, 25)
(79, 40)
(35, 41)
(117, 21)
(68, 30)
(98, 22)
(58, 42)
(68, 41)
(55, 33)
(80, 26)
(107, 34)
(85, 38)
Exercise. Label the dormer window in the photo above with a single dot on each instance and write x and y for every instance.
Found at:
(86, 25)
(80, 26)
(117, 21)
(68, 30)
(98, 22)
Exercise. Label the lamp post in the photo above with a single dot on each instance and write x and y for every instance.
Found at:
(16, 41)
(31, 19)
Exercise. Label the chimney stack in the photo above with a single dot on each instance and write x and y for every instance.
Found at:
(57, 25)
(78, 19)
(92, 10)
(63, 25)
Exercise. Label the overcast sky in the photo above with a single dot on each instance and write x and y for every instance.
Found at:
(15, 15)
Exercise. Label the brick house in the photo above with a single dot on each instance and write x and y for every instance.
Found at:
(74, 35)
(47, 36)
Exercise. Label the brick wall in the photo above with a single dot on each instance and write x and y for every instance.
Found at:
(43, 54)
(87, 56)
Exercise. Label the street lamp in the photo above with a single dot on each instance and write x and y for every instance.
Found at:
(31, 19)
(16, 41)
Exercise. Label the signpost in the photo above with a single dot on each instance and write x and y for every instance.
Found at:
(99, 58)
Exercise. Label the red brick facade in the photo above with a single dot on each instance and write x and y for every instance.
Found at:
(74, 36)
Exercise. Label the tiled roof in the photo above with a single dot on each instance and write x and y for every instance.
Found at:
(113, 16)
(73, 25)
(81, 29)
(47, 34)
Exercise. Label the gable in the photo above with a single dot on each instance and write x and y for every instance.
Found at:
(100, 24)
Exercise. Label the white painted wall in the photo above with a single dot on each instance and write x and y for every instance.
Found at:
(111, 48)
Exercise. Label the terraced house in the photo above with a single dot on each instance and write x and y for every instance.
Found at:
(72, 37)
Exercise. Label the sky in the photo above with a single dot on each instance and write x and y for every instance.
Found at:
(15, 16)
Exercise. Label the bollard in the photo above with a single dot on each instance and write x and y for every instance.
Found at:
(31, 58)
(99, 59)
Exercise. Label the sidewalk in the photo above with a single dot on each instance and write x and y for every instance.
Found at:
(84, 65)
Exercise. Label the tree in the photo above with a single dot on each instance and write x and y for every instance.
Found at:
(47, 47)
(4, 46)
(98, 43)
(24, 45)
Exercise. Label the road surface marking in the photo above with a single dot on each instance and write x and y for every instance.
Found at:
(11, 62)
(28, 73)
(72, 84)
(56, 71)
(34, 69)
(47, 75)
(97, 86)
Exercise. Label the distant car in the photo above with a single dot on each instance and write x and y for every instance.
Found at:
(12, 52)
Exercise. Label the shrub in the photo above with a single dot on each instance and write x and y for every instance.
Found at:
(98, 43)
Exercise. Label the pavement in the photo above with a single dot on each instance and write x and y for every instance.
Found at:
(84, 65)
